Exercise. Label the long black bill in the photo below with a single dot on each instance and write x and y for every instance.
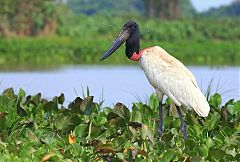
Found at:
(122, 37)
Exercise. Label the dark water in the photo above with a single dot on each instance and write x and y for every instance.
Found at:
(124, 84)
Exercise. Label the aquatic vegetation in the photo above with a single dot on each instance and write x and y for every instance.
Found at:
(34, 129)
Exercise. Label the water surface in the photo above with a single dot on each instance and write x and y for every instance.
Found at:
(124, 84)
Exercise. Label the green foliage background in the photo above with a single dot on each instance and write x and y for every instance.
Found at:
(83, 39)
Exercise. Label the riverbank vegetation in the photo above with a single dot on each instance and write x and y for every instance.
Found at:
(83, 39)
(53, 33)
(35, 129)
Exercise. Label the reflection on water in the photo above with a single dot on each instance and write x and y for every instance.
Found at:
(124, 84)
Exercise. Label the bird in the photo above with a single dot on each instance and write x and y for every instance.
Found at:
(167, 75)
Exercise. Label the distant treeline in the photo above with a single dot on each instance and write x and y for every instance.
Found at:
(164, 9)
(40, 17)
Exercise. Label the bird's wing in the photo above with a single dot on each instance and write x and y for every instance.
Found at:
(170, 76)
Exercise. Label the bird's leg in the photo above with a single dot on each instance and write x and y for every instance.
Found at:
(183, 124)
(160, 128)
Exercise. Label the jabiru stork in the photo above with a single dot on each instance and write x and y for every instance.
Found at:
(165, 73)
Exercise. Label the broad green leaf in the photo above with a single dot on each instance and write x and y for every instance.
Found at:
(169, 155)
(111, 115)
(76, 149)
(215, 100)
(20, 110)
(122, 111)
(154, 102)
(212, 120)
(147, 133)
(87, 105)
(36, 99)
(209, 142)
(99, 120)
(75, 119)
(217, 153)
(136, 116)
(50, 106)
(9, 92)
(234, 109)
(202, 150)
(95, 131)
(21, 94)
(61, 99)
(75, 105)
(62, 122)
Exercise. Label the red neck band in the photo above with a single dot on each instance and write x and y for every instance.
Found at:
(136, 56)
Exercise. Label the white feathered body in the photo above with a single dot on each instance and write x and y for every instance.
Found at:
(170, 77)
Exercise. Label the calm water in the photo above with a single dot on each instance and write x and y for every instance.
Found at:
(124, 84)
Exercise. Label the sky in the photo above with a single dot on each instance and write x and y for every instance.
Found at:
(203, 5)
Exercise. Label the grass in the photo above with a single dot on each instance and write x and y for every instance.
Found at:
(34, 129)
(57, 51)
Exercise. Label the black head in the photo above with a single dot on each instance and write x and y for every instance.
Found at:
(131, 35)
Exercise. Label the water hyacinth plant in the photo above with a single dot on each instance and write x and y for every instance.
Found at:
(35, 129)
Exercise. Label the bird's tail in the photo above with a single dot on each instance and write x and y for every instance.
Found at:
(201, 107)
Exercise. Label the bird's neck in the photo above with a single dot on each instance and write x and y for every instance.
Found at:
(133, 47)
(136, 56)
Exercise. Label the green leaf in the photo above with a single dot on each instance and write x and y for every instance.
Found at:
(87, 105)
(76, 149)
(147, 133)
(21, 94)
(234, 109)
(61, 99)
(75, 119)
(20, 110)
(50, 106)
(136, 116)
(36, 99)
(62, 122)
(209, 142)
(95, 131)
(100, 120)
(153, 102)
(112, 115)
(202, 150)
(213, 120)
(215, 100)
(80, 130)
(217, 153)
(75, 105)
(122, 111)
(9, 92)
(169, 155)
